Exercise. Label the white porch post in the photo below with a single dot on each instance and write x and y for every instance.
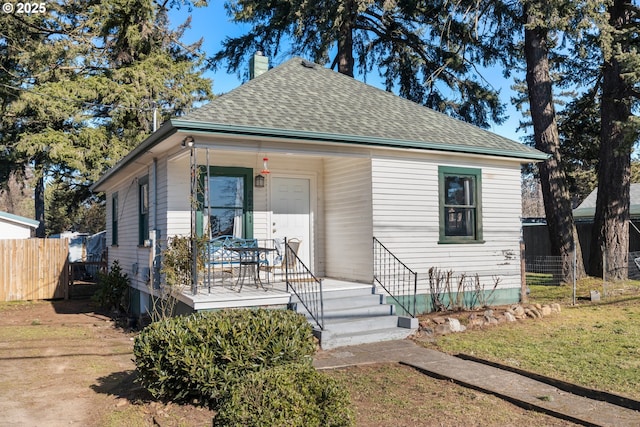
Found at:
(194, 220)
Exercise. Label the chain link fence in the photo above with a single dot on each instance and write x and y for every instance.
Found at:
(543, 270)
(547, 270)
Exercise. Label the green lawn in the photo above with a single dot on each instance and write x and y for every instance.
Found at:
(596, 345)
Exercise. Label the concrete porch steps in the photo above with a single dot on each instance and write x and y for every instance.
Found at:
(357, 315)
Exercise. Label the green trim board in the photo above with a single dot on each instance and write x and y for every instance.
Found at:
(114, 219)
(424, 303)
(246, 174)
(460, 205)
(143, 209)
(370, 141)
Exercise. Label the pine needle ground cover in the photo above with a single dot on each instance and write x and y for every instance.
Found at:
(593, 344)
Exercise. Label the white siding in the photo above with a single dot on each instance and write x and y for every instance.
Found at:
(352, 198)
(11, 230)
(178, 214)
(178, 192)
(134, 260)
(406, 219)
(348, 219)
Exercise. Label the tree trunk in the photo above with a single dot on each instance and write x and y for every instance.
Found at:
(39, 206)
(557, 201)
(611, 221)
(345, 39)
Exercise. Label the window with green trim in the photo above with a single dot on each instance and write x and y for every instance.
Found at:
(143, 211)
(114, 219)
(226, 202)
(460, 202)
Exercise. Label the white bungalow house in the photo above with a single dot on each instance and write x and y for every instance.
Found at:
(377, 189)
(16, 226)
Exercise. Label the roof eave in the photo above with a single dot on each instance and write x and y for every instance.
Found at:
(16, 219)
(222, 129)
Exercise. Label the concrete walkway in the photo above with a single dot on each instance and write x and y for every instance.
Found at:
(513, 387)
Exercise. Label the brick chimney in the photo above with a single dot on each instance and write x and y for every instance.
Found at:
(258, 64)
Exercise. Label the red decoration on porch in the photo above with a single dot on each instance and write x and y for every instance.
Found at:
(265, 163)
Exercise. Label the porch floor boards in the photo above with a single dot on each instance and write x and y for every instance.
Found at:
(220, 296)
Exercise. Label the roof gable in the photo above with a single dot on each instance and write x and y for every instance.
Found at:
(303, 98)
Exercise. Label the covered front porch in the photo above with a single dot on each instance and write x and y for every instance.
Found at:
(320, 198)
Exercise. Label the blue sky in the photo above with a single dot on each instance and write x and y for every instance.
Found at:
(212, 25)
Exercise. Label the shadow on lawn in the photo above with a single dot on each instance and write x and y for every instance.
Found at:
(122, 385)
(78, 306)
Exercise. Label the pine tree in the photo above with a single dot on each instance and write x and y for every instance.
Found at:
(430, 51)
(619, 131)
(563, 234)
(84, 82)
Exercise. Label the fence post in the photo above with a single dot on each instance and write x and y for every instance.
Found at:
(604, 270)
(523, 273)
(575, 261)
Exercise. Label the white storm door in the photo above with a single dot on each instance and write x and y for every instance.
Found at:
(291, 217)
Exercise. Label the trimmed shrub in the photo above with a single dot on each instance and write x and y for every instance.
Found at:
(201, 356)
(289, 395)
(113, 289)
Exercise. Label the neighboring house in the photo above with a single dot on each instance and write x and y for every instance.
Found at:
(347, 163)
(586, 211)
(584, 214)
(536, 236)
(16, 227)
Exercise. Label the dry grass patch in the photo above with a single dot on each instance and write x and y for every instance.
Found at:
(397, 395)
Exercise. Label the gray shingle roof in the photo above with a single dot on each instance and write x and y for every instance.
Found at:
(315, 100)
(587, 208)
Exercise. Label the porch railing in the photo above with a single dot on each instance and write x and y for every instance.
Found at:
(398, 280)
(306, 287)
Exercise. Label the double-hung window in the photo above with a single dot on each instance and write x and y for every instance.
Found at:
(143, 211)
(227, 206)
(114, 219)
(460, 204)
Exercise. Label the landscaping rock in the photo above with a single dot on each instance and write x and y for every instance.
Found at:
(545, 310)
(518, 312)
(443, 329)
(424, 324)
(509, 317)
(533, 313)
(455, 325)
(440, 325)
(439, 320)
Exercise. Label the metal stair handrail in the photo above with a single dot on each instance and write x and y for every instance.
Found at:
(304, 284)
(395, 277)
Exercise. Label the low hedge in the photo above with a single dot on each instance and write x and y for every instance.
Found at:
(201, 356)
(290, 395)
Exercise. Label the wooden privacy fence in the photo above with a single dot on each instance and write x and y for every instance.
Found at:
(34, 269)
